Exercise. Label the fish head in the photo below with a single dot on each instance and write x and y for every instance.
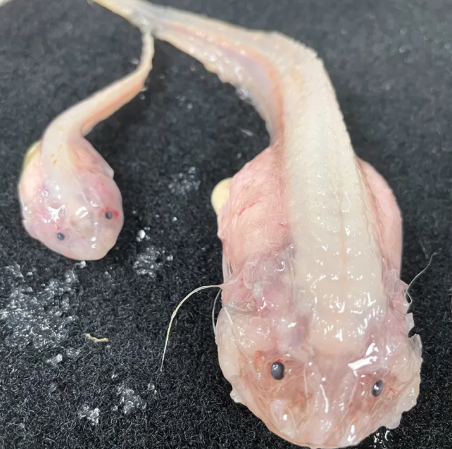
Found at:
(78, 216)
(310, 395)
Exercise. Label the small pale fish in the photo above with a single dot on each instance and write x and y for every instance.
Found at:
(68, 197)
(313, 332)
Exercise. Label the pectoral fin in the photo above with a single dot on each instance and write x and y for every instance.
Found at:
(220, 194)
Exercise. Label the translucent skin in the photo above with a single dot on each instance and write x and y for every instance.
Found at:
(311, 248)
(68, 197)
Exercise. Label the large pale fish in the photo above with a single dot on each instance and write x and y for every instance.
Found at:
(313, 333)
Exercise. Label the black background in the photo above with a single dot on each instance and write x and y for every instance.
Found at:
(390, 62)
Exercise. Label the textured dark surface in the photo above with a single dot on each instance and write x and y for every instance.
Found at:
(390, 62)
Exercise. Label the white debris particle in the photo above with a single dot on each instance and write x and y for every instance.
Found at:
(72, 353)
(129, 400)
(55, 360)
(70, 277)
(148, 262)
(81, 264)
(41, 318)
(174, 219)
(15, 271)
(192, 67)
(243, 93)
(247, 132)
(169, 258)
(183, 183)
(151, 387)
(189, 106)
(91, 415)
(135, 61)
(141, 235)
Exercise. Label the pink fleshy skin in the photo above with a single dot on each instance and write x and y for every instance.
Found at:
(311, 248)
(68, 197)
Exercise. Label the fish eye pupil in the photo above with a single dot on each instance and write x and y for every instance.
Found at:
(277, 370)
(109, 214)
(60, 236)
(377, 388)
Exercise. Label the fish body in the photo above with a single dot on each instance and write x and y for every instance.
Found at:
(313, 332)
(68, 197)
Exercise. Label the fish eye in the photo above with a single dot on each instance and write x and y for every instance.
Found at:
(60, 236)
(109, 214)
(277, 370)
(377, 388)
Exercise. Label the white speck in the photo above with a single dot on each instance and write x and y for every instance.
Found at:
(141, 97)
(91, 415)
(144, 89)
(115, 408)
(174, 219)
(147, 228)
(162, 76)
(192, 67)
(29, 273)
(114, 376)
(129, 400)
(169, 258)
(70, 277)
(135, 61)
(182, 183)
(141, 235)
(40, 319)
(81, 264)
(189, 106)
(247, 132)
(72, 352)
(239, 155)
(243, 93)
(148, 263)
(15, 271)
(55, 360)
(151, 387)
